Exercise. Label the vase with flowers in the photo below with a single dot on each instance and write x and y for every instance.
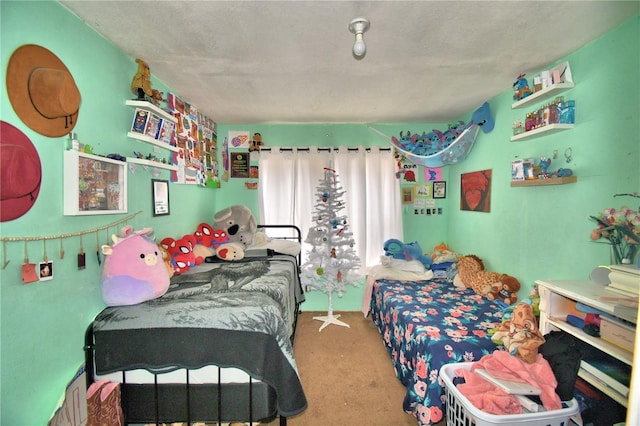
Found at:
(621, 229)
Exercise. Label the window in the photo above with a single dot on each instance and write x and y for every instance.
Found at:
(287, 192)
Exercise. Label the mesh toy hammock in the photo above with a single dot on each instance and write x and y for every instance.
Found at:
(457, 150)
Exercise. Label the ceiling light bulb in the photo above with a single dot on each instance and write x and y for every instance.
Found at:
(359, 26)
(359, 48)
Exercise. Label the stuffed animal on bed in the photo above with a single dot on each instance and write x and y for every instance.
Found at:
(472, 274)
(412, 251)
(133, 270)
(238, 223)
(181, 253)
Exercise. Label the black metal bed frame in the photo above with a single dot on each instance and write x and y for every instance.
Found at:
(169, 396)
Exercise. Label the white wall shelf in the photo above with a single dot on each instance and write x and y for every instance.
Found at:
(546, 93)
(153, 108)
(152, 141)
(551, 128)
(150, 163)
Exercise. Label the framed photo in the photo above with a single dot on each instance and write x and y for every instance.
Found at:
(94, 185)
(45, 270)
(407, 195)
(160, 197)
(440, 189)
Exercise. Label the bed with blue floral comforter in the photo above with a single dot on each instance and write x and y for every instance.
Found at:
(428, 324)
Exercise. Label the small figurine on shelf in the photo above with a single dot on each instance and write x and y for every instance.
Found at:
(544, 164)
(521, 88)
(141, 83)
(156, 97)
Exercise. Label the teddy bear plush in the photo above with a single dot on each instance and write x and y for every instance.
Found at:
(505, 290)
(472, 274)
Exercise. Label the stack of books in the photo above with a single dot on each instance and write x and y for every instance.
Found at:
(607, 370)
(625, 279)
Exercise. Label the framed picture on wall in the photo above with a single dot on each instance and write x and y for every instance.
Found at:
(160, 197)
(440, 189)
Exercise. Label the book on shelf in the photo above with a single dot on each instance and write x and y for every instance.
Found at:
(628, 269)
(620, 297)
(610, 371)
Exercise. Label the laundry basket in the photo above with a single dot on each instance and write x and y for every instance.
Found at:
(461, 412)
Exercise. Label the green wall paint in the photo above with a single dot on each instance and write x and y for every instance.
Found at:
(43, 324)
(543, 232)
(536, 232)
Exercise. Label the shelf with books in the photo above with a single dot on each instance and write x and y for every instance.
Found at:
(560, 299)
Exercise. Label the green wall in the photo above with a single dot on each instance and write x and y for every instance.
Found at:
(543, 231)
(533, 232)
(43, 324)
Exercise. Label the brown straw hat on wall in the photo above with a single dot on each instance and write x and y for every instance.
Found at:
(42, 91)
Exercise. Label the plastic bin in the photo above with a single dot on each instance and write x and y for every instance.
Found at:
(461, 412)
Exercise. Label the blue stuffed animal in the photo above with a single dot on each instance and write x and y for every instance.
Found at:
(412, 251)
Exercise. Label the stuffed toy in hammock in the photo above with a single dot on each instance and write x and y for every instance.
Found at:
(134, 270)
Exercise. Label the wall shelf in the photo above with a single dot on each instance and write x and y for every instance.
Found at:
(551, 128)
(546, 93)
(152, 141)
(541, 182)
(150, 163)
(153, 108)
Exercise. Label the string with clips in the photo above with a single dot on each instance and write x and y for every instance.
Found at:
(61, 237)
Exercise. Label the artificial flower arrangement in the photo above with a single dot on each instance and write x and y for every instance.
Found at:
(621, 229)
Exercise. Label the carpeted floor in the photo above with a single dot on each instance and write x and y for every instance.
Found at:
(347, 375)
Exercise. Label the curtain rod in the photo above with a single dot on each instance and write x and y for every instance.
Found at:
(325, 149)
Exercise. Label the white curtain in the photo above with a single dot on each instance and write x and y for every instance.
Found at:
(287, 192)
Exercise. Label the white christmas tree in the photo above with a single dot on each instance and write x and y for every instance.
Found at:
(332, 261)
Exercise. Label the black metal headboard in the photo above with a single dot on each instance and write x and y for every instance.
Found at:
(284, 232)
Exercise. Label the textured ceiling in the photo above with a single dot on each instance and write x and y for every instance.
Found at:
(291, 61)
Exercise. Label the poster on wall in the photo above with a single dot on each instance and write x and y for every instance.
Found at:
(239, 139)
(432, 174)
(475, 191)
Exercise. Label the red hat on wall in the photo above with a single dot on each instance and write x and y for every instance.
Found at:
(20, 173)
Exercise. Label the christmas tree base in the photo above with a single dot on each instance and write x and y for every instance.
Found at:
(330, 319)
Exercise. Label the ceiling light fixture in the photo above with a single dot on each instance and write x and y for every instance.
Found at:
(359, 26)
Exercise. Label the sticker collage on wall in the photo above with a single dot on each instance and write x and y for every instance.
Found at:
(421, 188)
(196, 136)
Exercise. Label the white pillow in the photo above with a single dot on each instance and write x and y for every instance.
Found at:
(261, 241)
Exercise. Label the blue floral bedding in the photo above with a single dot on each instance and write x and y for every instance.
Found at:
(426, 325)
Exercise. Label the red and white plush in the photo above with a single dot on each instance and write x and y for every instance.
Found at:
(134, 270)
(181, 253)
